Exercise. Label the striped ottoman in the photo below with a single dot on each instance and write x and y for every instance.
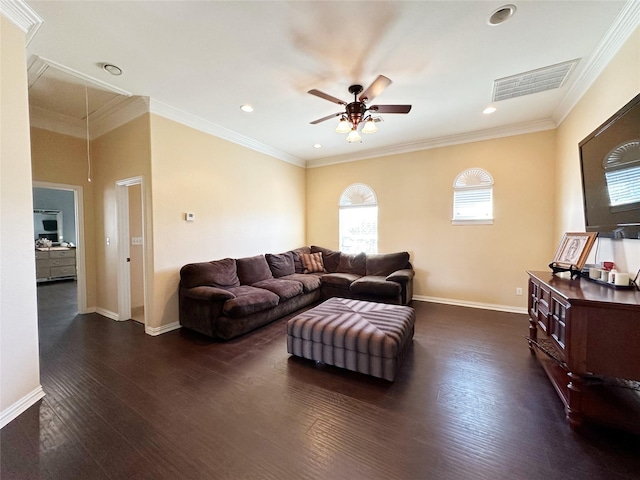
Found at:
(364, 337)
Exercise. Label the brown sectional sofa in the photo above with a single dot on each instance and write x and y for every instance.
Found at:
(229, 297)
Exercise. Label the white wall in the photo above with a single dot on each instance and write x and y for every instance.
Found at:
(19, 362)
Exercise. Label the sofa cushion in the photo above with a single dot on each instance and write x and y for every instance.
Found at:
(219, 273)
(253, 269)
(285, 289)
(339, 279)
(281, 264)
(352, 263)
(373, 285)
(309, 282)
(312, 262)
(331, 258)
(297, 262)
(249, 300)
(383, 264)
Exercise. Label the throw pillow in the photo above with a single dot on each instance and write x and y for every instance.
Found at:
(330, 258)
(296, 258)
(253, 269)
(281, 264)
(312, 262)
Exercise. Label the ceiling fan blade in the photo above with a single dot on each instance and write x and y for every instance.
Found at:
(326, 96)
(390, 108)
(333, 115)
(375, 89)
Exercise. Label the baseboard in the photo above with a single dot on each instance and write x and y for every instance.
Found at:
(107, 313)
(464, 303)
(89, 310)
(154, 331)
(20, 406)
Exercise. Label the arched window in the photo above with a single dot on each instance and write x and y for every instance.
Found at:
(358, 219)
(473, 197)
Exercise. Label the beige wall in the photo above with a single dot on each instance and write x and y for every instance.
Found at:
(62, 159)
(120, 154)
(245, 203)
(480, 265)
(19, 362)
(619, 83)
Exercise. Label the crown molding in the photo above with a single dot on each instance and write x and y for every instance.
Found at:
(199, 123)
(625, 24)
(23, 16)
(116, 113)
(57, 122)
(119, 111)
(38, 65)
(475, 136)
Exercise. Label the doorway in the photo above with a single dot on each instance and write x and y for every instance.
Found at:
(74, 227)
(131, 249)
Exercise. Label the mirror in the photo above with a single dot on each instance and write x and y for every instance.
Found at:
(48, 224)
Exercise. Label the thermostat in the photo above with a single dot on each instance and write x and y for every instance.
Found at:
(189, 217)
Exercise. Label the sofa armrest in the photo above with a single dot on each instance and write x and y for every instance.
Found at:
(401, 276)
(200, 307)
(207, 293)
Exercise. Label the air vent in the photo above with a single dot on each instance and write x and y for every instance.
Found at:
(533, 81)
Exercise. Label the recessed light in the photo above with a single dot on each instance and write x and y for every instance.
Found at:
(501, 15)
(317, 145)
(112, 69)
(489, 110)
(246, 108)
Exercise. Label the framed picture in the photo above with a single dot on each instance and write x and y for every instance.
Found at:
(574, 249)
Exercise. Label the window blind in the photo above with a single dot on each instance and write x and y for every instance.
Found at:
(623, 186)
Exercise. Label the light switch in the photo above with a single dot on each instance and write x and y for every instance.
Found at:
(108, 241)
(190, 217)
(136, 240)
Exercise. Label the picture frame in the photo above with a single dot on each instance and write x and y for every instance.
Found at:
(574, 250)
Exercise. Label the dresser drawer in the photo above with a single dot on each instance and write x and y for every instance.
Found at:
(62, 254)
(42, 272)
(41, 254)
(61, 262)
(42, 263)
(63, 271)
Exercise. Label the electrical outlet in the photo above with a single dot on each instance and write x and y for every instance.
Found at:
(519, 291)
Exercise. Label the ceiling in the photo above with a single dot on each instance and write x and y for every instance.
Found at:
(199, 61)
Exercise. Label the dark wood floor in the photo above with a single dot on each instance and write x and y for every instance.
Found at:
(469, 403)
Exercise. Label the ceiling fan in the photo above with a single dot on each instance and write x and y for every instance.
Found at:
(355, 113)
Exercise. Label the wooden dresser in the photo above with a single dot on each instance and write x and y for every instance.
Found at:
(587, 338)
(55, 263)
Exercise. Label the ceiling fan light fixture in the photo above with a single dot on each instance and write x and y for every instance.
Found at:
(353, 136)
(369, 126)
(343, 126)
(354, 117)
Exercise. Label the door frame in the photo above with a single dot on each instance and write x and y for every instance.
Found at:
(81, 271)
(124, 269)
